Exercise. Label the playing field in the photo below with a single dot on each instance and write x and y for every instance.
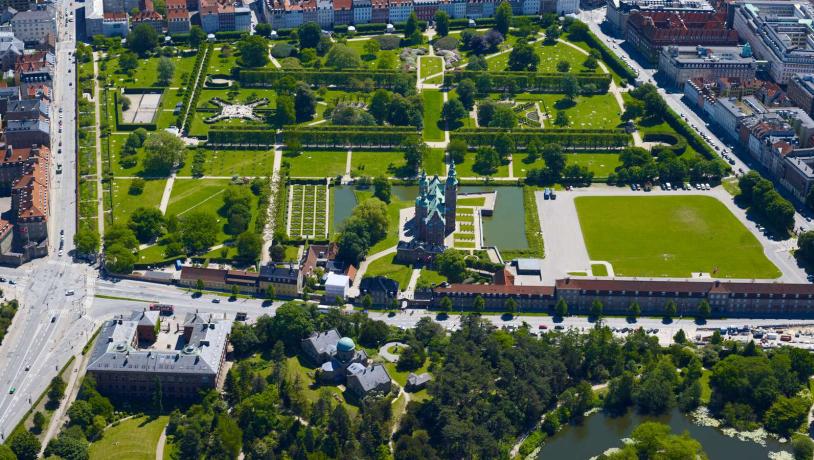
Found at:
(670, 236)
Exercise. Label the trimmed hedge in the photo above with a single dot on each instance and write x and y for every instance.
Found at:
(531, 81)
(241, 137)
(121, 125)
(355, 136)
(569, 139)
(340, 78)
(675, 142)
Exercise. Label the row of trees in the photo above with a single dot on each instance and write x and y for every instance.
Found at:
(518, 82)
(385, 107)
(640, 166)
(762, 198)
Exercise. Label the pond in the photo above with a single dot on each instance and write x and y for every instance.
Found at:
(600, 432)
(343, 201)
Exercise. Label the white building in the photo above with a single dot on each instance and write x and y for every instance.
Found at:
(35, 25)
(336, 286)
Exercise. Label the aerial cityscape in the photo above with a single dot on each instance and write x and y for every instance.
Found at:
(407, 229)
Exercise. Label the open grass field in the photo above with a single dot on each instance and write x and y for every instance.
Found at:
(433, 103)
(465, 168)
(146, 74)
(601, 164)
(328, 163)
(124, 203)
(670, 236)
(394, 271)
(431, 65)
(599, 111)
(375, 164)
(434, 162)
(196, 195)
(549, 55)
(134, 439)
(232, 162)
(308, 205)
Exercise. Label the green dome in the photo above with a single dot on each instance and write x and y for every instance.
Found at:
(345, 344)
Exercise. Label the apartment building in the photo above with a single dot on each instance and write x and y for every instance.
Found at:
(678, 64)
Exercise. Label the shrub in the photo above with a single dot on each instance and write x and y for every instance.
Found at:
(388, 42)
(282, 50)
(446, 43)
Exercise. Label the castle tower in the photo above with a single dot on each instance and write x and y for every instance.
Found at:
(422, 184)
(420, 214)
(451, 198)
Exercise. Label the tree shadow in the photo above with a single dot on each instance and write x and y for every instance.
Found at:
(631, 320)
(667, 320)
(700, 321)
(564, 104)
(507, 316)
(557, 319)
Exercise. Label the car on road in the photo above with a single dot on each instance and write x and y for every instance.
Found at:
(542, 326)
(12, 390)
(69, 292)
(61, 252)
(216, 300)
(53, 319)
(12, 282)
(27, 367)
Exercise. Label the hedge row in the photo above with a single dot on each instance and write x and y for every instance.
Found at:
(196, 91)
(675, 142)
(610, 57)
(691, 136)
(355, 137)
(340, 78)
(241, 137)
(188, 91)
(568, 139)
(533, 81)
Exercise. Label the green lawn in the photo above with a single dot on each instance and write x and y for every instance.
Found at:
(431, 65)
(202, 195)
(549, 55)
(133, 439)
(393, 209)
(465, 169)
(375, 164)
(386, 267)
(670, 236)
(124, 203)
(433, 103)
(601, 164)
(434, 162)
(146, 74)
(599, 270)
(598, 111)
(475, 201)
(329, 163)
(232, 162)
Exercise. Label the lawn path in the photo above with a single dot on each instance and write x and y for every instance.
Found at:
(100, 221)
(202, 202)
(165, 198)
(159, 447)
(347, 166)
(288, 221)
(365, 263)
(409, 292)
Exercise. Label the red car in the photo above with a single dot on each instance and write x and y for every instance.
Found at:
(543, 326)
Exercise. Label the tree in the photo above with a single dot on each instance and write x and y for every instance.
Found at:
(367, 301)
(146, 223)
(802, 447)
(412, 32)
(373, 333)
(570, 87)
(680, 337)
(805, 246)
(414, 153)
(503, 17)
(142, 39)
(503, 117)
(466, 93)
(704, 310)
(254, 51)
(456, 150)
(382, 188)
(561, 309)
(563, 66)
(372, 48)
(590, 63)
(633, 310)
(511, 305)
(620, 394)
(379, 103)
(442, 23)
(452, 265)
(561, 119)
(786, 415)
(633, 110)
(196, 36)
(25, 445)
(670, 310)
(305, 103)
(285, 113)
(478, 304)
(86, 241)
(67, 447)
(128, 62)
(277, 252)
(163, 152)
(452, 112)
(487, 161)
(56, 390)
(39, 421)
(309, 35)
(249, 245)
(523, 57)
(343, 57)
(119, 259)
(655, 392)
(166, 69)
(198, 231)
(596, 309)
(445, 305)
(554, 158)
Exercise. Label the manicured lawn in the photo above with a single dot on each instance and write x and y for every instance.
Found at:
(434, 162)
(433, 103)
(375, 164)
(386, 267)
(431, 65)
(401, 377)
(124, 203)
(146, 74)
(134, 439)
(476, 201)
(549, 55)
(429, 277)
(599, 111)
(670, 236)
(202, 195)
(465, 169)
(601, 164)
(599, 270)
(232, 162)
(328, 163)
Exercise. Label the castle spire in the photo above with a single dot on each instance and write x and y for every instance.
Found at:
(452, 176)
